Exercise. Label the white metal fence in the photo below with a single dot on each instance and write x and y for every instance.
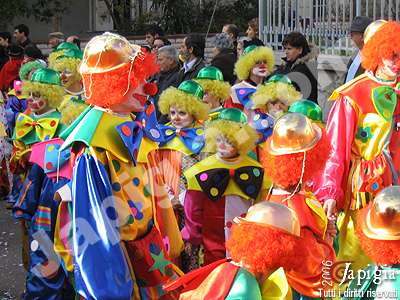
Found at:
(325, 22)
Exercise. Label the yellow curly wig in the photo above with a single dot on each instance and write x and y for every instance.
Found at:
(242, 136)
(70, 110)
(189, 103)
(53, 57)
(274, 91)
(247, 61)
(72, 64)
(52, 93)
(219, 89)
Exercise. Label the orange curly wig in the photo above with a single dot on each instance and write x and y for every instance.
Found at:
(263, 249)
(108, 88)
(285, 170)
(384, 44)
(380, 251)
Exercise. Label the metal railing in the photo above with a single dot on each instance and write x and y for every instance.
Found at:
(324, 22)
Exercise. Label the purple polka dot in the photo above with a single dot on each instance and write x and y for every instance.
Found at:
(203, 177)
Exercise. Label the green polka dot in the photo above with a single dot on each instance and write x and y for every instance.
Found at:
(130, 220)
(169, 272)
(146, 191)
(116, 165)
(256, 172)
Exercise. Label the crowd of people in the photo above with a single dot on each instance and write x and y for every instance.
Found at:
(146, 172)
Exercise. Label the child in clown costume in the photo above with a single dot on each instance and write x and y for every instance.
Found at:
(363, 129)
(379, 234)
(122, 219)
(68, 67)
(223, 185)
(270, 101)
(296, 150)
(216, 90)
(45, 277)
(181, 149)
(267, 238)
(252, 67)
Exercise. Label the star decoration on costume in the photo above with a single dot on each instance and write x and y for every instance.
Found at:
(160, 263)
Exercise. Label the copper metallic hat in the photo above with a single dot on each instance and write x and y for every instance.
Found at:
(268, 213)
(382, 221)
(107, 52)
(293, 133)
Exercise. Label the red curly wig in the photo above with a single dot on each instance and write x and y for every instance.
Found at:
(380, 251)
(384, 44)
(263, 249)
(108, 88)
(285, 170)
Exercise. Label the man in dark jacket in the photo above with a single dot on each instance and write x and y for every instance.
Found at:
(224, 56)
(192, 54)
(357, 29)
(5, 40)
(21, 35)
(167, 59)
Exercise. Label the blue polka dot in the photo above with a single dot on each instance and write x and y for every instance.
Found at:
(136, 181)
(116, 186)
(20, 118)
(250, 189)
(375, 186)
(154, 248)
(139, 215)
(111, 213)
(47, 137)
(150, 225)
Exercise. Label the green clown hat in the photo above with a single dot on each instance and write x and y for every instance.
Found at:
(59, 51)
(72, 53)
(66, 46)
(187, 97)
(232, 124)
(212, 80)
(29, 67)
(248, 49)
(307, 108)
(47, 83)
(280, 78)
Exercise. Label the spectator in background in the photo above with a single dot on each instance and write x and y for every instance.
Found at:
(240, 47)
(32, 53)
(300, 65)
(233, 32)
(192, 54)
(160, 42)
(74, 39)
(224, 56)
(167, 59)
(252, 34)
(21, 35)
(55, 39)
(5, 40)
(153, 32)
(10, 70)
(357, 29)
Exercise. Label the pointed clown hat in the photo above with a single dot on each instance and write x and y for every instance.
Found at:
(47, 83)
(112, 68)
(277, 88)
(212, 81)
(251, 55)
(233, 124)
(188, 97)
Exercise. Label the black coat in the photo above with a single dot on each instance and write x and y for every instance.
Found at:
(192, 73)
(164, 80)
(303, 73)
(225, 61)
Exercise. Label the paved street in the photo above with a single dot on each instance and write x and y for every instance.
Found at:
(12, 274)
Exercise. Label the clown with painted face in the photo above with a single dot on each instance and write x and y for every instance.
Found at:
(182, 147)
(36, 206)
(363, 129)
(269, 102)
(74, 101)
(216, 90)
(252, 68)
(294, 153)
(134, 229)
(224, 185)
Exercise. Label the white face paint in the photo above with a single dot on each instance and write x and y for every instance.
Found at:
(260, 69)
(390, 68)
(180, 118)
(225, 149)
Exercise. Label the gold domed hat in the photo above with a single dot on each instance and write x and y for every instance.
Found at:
(293, 133)
(107, 52)
(268, 213)
(382, 220)
(372, 29)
